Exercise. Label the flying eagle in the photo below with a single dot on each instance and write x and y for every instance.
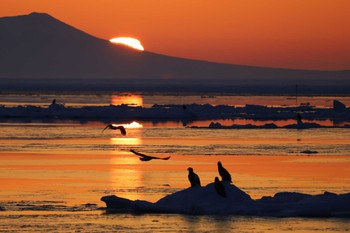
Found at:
(114, 127)
(147, 157)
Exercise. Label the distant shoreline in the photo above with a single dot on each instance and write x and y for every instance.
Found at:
(181, 112)
(217, 87)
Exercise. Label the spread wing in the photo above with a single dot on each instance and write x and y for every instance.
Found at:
(114, 127)
(122, 130)
(147, 156)
(107, 126)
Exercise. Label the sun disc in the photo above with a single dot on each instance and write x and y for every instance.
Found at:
(128, 41)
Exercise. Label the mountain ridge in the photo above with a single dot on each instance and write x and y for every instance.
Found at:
(38, 46)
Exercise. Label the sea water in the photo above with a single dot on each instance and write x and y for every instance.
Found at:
(53, 173)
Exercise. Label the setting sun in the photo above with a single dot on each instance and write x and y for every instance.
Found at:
(128, 41)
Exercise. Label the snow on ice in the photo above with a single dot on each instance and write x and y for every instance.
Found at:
(206, 201)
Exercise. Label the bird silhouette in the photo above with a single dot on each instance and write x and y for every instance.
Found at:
(147, 157)
(193, 178)
(115, 127)
(225, 175)
(299, 121)
(219, 187)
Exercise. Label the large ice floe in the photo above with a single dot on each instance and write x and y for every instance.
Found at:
(206, 201)
(187, 113)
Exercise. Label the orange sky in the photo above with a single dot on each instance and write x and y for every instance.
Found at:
(310, 34)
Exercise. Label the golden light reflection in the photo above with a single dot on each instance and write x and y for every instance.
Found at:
(128, 99)
(126, 141)
(128, 41)
(125, 177)
(134, 136)
(133, 125)
(125, 174)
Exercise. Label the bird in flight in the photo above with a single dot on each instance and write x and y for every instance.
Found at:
(114, 127)
(147, 157)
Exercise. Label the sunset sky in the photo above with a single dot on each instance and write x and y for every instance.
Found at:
(308, 34)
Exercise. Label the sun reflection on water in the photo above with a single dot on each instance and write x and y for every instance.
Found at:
(127, 99)
(125, 174)
(125, 141)
(134, 130)
(125, 177)
(133, 125)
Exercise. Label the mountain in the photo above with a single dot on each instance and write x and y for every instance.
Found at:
(39, 50)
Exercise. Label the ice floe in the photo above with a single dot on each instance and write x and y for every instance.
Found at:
(217, 125)
(190, 112)
(206, 201)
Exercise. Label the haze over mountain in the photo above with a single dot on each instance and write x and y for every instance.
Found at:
(39, 51)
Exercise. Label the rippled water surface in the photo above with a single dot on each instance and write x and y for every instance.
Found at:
(171, 138)
(53, 174)
(97, 222)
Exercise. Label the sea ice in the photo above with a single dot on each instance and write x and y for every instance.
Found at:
(192, 112)
(205, 200)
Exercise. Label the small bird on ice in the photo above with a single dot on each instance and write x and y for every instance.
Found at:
(193, 178)
(147, 157)
(225, 175)
(219, 187)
